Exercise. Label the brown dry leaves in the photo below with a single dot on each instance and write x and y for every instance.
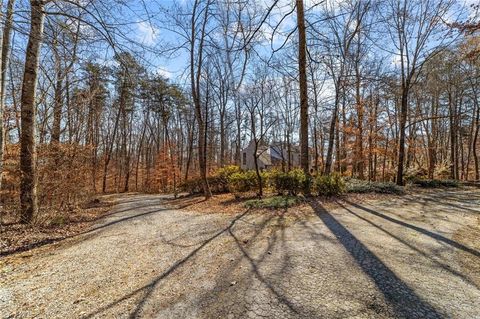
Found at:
(16, 237)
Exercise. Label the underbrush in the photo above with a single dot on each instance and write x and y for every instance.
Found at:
(64, 181)
(50, 227)
(362, 187)
(435, 183)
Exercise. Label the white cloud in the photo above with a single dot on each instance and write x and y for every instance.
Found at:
(146, 33)
(164, 72)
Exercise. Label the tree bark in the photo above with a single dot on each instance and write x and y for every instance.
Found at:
(331, 137)
(195, 86)
(28, 180)
(401, 139)
(7, 30)
(302, 72)
(57, 106)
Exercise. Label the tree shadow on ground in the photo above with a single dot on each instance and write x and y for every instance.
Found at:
(256, 262)
(255, 280)
(421, 230)
(148, 289)
(404, 301)
(124, 219)
(437, 262)
(448, 201)
(244, 233)
(89, 233)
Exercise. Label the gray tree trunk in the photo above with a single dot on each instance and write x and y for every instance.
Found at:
(302, 72)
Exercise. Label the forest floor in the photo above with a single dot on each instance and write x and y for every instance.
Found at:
(411, 256)
(51, 227)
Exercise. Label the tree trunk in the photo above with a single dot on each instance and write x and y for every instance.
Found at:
(28, 183)
(108, 153)
(195, 86)
(401, 139)
(476, 122)
(7, 30)
(57, 106)
(359, 160)
(257, 171)
(331, 137)
(222, 139)
(302, 72)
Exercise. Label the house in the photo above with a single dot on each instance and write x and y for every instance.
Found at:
(273, 155)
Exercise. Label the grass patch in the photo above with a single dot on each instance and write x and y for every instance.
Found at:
(362, 187)
(274, 202)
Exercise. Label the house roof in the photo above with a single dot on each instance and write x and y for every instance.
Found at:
(276, 152)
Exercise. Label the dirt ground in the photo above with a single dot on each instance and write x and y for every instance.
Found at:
(414, 256)
(17, 237)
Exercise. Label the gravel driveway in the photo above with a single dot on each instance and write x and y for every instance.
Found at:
(417, 256)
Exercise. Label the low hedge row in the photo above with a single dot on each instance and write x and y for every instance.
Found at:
(236, 181)
(232, 179)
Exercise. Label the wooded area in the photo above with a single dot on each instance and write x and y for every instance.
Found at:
(377, 90)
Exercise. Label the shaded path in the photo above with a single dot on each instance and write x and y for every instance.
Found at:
(404, 300)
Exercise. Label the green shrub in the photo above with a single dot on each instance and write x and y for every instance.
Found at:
(278, 180)
(292, 182)
(387, 188)
(329, 185)
(217, 185)
(274, 202)
(219, 181)
(225, 172)
(361, 186)
(435, 183)
(242, 182)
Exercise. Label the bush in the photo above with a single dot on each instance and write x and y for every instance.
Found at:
(195, 185)
(192, 186)
(218, 182)
(243, 182)
(361, 186)
(273, 202)
(442, 171)
(329, 185)
(413, 174)
(292, 182)
(224, 173)
(435, 183)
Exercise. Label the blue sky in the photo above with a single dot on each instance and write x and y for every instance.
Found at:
(151, 34)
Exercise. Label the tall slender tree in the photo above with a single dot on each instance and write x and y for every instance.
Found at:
(302, 75)
(5, 56)
(28, 181)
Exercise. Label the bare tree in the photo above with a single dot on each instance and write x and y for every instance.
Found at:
(5, 56)
(28, 182)
(302, 72)
(411, 23)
